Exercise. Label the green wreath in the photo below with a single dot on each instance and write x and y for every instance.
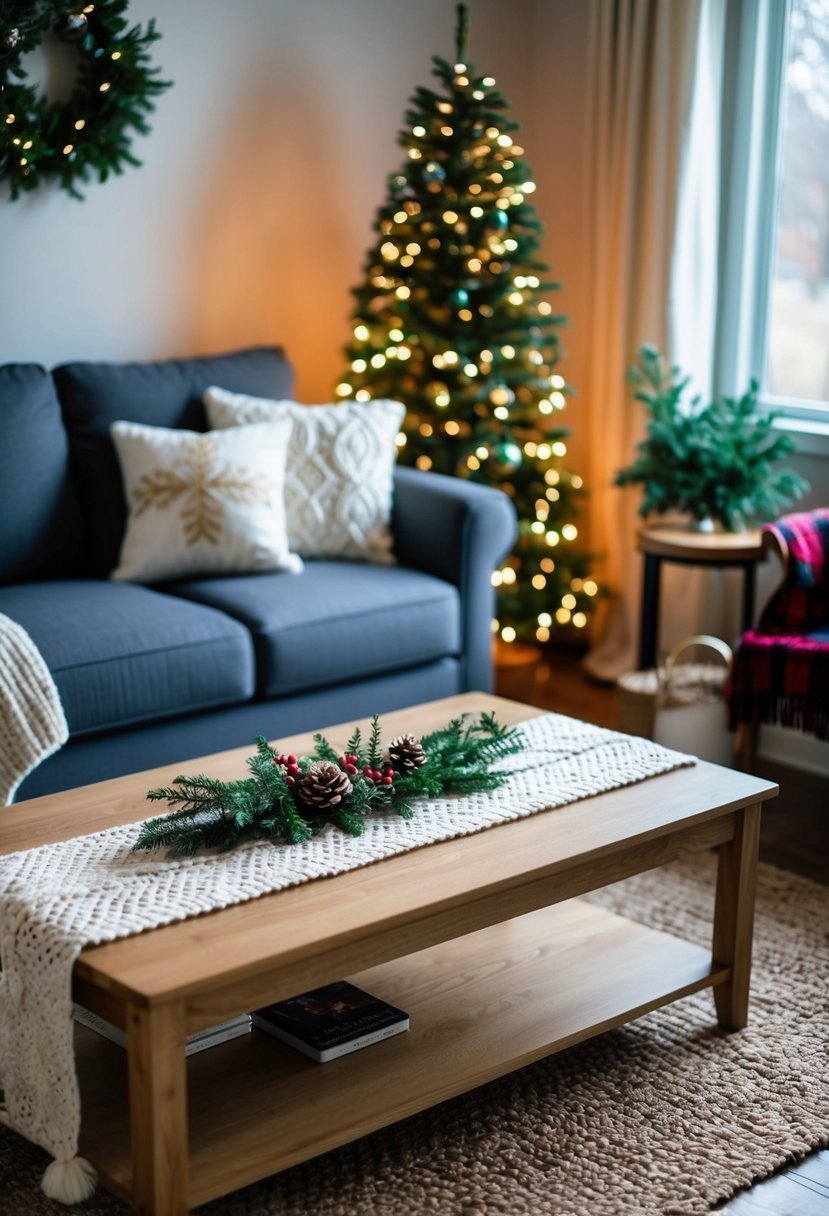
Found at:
(67, 141)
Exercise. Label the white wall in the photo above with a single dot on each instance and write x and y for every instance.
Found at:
(250, 217)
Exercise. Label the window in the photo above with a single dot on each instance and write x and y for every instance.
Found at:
(773, 308)
(797, 347)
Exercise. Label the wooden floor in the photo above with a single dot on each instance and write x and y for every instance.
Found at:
(793, 837)
(800, 1191)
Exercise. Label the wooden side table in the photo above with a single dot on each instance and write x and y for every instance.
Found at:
(684, 548)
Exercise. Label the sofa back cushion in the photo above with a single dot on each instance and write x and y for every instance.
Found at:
(167, 394)
(40, 521)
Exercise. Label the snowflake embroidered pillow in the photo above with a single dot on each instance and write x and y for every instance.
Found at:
(203, 504)
(338, 477)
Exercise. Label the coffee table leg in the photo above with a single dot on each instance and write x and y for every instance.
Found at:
(734, 917)
(158, 1110)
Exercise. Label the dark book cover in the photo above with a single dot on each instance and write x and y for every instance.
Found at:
(331, 1021)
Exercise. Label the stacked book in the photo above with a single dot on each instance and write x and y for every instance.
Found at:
(200, 1041)
(325, 1023)
(331, 1021)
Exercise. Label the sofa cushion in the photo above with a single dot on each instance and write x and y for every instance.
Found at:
(167, 393)
(336, 621)
(338, 484)
(40, 522)
(203, 504)
(121, 654)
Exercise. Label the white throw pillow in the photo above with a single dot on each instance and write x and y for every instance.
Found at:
(202, 504)
(338, 477)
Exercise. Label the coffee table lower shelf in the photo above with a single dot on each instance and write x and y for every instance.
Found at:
(481, 1006)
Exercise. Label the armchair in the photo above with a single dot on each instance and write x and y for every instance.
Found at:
(781, 667)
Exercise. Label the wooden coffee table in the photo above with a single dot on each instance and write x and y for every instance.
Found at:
(480, 939)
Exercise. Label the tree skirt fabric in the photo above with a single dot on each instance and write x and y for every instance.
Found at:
(665, 1117)
(58, 898)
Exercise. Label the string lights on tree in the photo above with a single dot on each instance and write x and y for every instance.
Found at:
(452, 319)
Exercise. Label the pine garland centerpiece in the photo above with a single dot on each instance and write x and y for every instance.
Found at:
(288, 799)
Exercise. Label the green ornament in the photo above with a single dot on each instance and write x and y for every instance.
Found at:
(497, 221)
(504, 458)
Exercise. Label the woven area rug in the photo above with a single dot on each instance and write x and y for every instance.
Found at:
(665, 1117)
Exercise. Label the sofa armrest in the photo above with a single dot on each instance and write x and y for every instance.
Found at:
(458, 531)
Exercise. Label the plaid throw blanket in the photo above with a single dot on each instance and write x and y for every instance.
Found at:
(781, 668)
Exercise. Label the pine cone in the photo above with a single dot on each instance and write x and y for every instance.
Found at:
(406, 753)
(324, 785)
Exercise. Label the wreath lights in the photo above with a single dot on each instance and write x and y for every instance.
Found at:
(89, 133)
(288, 799)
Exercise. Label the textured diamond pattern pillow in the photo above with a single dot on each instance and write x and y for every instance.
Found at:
(202, 504)
(338, 476)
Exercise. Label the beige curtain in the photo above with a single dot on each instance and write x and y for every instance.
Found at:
(641, 75)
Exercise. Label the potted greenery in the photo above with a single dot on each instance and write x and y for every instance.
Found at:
(716, 463)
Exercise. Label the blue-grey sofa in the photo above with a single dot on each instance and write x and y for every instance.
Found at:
(156, 675)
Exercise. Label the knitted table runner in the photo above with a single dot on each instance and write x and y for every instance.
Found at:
(59, 898)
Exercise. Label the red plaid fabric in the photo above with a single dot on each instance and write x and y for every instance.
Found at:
(801, 603)
(781, 668)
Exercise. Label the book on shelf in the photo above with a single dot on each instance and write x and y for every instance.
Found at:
(331, 1021)
(211, 1036)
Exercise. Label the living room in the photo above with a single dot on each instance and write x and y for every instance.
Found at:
(656, 133)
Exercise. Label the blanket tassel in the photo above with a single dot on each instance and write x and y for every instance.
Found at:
(69, 1181)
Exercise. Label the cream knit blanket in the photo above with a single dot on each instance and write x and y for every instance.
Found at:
(56, 899)
(32, 725)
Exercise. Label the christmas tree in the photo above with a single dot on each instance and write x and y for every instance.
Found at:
(451, 320)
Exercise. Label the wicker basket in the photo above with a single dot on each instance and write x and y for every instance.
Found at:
(680, 704)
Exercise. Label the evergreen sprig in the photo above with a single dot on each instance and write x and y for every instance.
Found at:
(715, 461)
(268, 805)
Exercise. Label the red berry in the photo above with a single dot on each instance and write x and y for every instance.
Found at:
(293, 770)
(367, 770)
(290, 759)
(352, 759)
(290, 780)
(387, 781)
(343, 761)
(351, 769)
